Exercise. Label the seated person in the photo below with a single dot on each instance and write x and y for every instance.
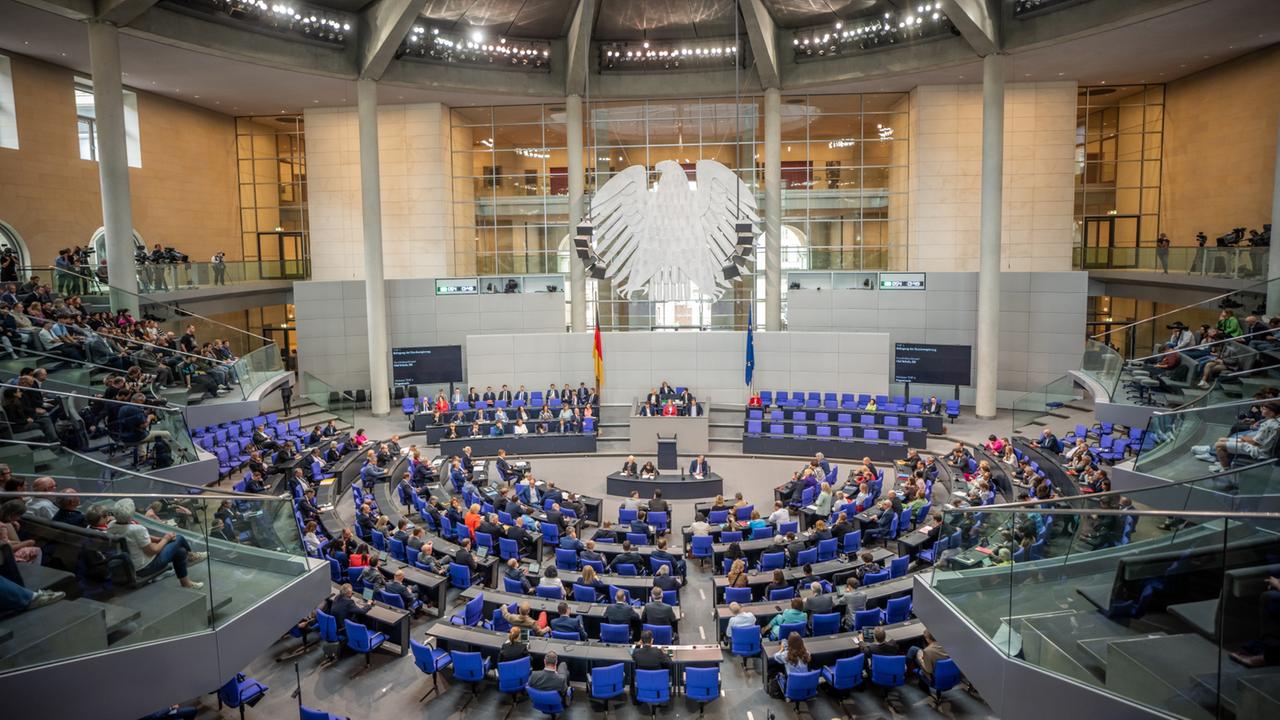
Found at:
(153, 555)
(1265, 649)
(567, 623)
(1258, 445)
(553, 676)
(649, 471)
(794, 613)
(793, 656)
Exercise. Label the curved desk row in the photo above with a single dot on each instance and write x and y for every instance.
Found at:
(532, 444)
(424, 423)
(802, 446)
(674, 487)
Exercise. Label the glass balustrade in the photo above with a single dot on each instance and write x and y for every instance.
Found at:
(1218, 262)
(174, 277)
(1102, 363)
(1180, 445)
(328, 397)
(116, 594)
(1044, 401)
(1109, 592)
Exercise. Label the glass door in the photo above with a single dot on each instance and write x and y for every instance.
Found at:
(282, 255)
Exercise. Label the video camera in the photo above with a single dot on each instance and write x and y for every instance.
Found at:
(1232, 238)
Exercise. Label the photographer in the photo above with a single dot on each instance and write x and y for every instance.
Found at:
(8, 264)
(159, 281)
(219, 265)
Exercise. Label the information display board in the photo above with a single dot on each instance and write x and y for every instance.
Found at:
(426, 365)
(902, 281)
(932, 364)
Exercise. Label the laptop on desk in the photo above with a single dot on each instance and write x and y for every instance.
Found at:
(367, 594)
(483, 552)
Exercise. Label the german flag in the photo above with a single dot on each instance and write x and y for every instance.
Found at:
(597, 356)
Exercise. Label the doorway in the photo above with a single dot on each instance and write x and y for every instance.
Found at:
(283, 255)
(1110, 241)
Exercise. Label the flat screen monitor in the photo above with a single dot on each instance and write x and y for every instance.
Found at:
(932, 364)
(426, 365)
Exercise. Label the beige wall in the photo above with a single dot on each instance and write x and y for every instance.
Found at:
(946, 177)
(413, 149)
(184, 194)
(1220, 147)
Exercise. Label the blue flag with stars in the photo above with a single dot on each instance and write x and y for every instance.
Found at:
(751, 348)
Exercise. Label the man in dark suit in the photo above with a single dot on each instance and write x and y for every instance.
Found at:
(664, 580)
(589, 552)
(464, 557)
(884, 521)
(699, 467)
(554, 675)
(619, 612)
(307, 506)
(397, 586)
(628, 556)
(555, 517)
(263, 440)
(468, 462)
(570, 541)
(505, 394)
(657, 504)
(656, 612)
(818, 603)
(473, 397)
(566, 623)
(345, 606)
(583, 393)
(677, 562)
(505, 473)
(647, 657)
(882, 646)
(516, 531)
(489, 524)
(567, 395)
(515, 572)
(653, 399)
(522, 394)
(794, 547)
(489, 396)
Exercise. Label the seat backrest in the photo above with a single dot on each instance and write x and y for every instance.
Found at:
(357, 635)
(897, 610)
(702, 683)
(653, 685)
(661, 633)
(612, 633)
(546, 701)
(514, 674)
(802, 685)
(744, 640)
(740, 595)
(826, 623)
(551, 593)
(888, 670)
(867, 618)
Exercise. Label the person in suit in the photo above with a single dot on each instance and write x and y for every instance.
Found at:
(628, 556)
(584, 393)
(553, 676)
(653, 399)
(512, 648)
(567, 395)
(850, 597)
(657, 504)
(505, 473)
(345, 606)
(647, 657)
(569, 541)
(656, 612)
(934, 406)
(473, 397)
(456, 397)
(661, 553)
(699, 467)
(619, 612)
(262, 440)
(555, 517)
(882, 646)
(464, 557)
(664, 580)
(819, 603)
(567, 623)
(589, 552)
(505, 394)
(489, 396)
(884, 521)
(397, 586)
(522, 395)
(630, 468)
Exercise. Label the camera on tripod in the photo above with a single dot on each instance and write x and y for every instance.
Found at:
(1232, 238)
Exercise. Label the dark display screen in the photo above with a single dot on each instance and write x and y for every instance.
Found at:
(426, 365)
(932, 364)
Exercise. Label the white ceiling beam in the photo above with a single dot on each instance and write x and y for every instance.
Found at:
(978, 22)
(123, 12)
(578, 51)
(383, 26)
(763, 36)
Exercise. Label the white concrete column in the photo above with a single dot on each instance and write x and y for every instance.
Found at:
(772, 209)
(375, 288)
(988, 350)
(1273, 256)
(577, 175)
(113, 163)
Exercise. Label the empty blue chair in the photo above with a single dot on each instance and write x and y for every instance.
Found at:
(799, 429)
(637, 538)
(700, 548)
(471, 668)
(550, 533)
(626, 569)
(240, 691)
(731, 536)
(846, 674)
(915, 423)
(508, 549)
(407, 406)
(718, 517)
(766, 397)
(827, 549)
(888, 671)
(397, 549)
(597, 565)
(460, 576)
(362, 641)
(607, 682)
(896, 436)
(799, 415)
(933, 553)
(823, 431)
(846, 433)
(776, 429)
(782, 593)
(891, 420)
(671, 597)
(306, 713)
(755, 414)
(772, 561)
(801, 687)
(744, 513)
(566, 559)
(472, 612)
(788, 527)
(565, 635)
(898, 567)
(807, 557)
(512, 585)
(745, 642)
(513, 676)
(702, 685)
(867, 618)
(658, 520)
(762, 533)
(661, 633)
(583, 593)
(738, 595)
(653, 688)
(613, 633)
(826, 624)
(897, 610)
(871, 434)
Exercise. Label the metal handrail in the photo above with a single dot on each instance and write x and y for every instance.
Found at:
(1204, 514)
(1268, 331)
(136, 341)
(216, 495)
(1135, 323)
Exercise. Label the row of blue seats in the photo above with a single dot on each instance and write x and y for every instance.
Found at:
(756, 427)
(841, 418)
(848, 401)
(230, 441)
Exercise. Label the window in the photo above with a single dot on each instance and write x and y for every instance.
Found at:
(87, 124)
(8, 110)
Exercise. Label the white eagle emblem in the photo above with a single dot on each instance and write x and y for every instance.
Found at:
(671, 242)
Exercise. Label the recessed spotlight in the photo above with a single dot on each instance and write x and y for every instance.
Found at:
(1061, 74)
(63, 54)
(1102, 82)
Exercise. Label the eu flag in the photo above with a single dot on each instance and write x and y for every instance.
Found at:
(751, 347)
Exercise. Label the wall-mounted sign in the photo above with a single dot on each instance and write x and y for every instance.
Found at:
(901, 281)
